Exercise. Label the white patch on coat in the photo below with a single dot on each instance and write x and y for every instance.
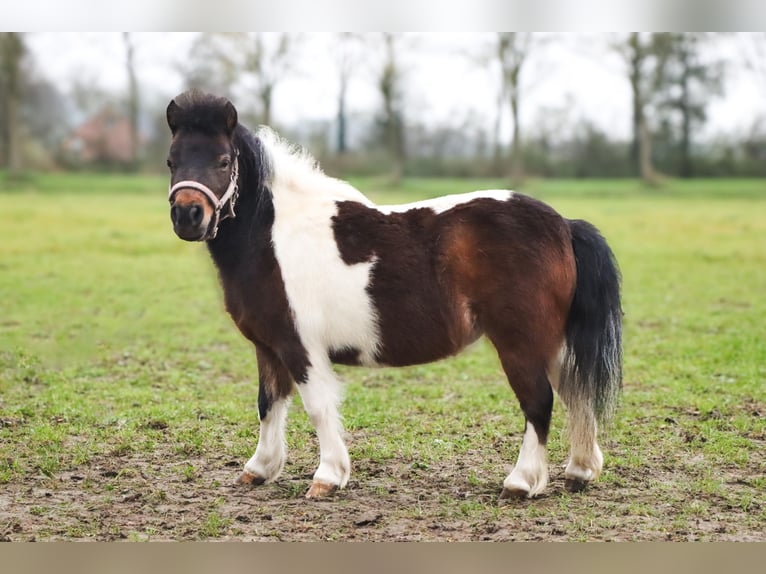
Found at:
(446, 202)
(530, 474)
(332, 308)
(321, 394)
(271, 453)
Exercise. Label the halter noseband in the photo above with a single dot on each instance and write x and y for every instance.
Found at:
(232, 192)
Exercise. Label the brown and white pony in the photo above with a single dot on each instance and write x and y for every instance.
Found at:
(314, 273)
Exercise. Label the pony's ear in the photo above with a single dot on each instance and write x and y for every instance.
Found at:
(231, 116)
(172, 114)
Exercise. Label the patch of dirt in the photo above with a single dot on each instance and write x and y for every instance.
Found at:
(163, 498)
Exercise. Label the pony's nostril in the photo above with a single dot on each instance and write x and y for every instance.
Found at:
(195, 214)
(174, 213)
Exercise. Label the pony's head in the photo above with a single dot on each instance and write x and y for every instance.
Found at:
(203, 162)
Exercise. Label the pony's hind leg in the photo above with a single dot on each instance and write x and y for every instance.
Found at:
(585, 458)
(530, 475)
(321, 395)
(274, 388)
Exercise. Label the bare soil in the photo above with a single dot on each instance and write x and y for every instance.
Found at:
(135, 498)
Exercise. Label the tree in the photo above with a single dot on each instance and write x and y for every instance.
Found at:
(12, 51)
(390, 85)
(210, 66)
(346, 60)
(690, 84)
(753, 47)
(511, 51)
(645, 56)
(133, 98)
(253, 63)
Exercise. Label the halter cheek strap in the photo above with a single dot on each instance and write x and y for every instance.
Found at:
(230, 196)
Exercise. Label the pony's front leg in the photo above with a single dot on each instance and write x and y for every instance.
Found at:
(321, 396)
(274, 388)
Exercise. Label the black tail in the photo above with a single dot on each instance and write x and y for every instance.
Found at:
(591, 374)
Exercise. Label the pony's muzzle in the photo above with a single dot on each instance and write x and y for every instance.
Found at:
(190, 215)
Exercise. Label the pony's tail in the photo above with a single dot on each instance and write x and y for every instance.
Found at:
(591, 372)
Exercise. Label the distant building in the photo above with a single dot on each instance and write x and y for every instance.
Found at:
(104, 138)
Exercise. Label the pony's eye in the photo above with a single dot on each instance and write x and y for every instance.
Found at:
(170, 164)
(226, 162)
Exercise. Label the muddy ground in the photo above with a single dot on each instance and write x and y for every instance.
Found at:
(135, 498)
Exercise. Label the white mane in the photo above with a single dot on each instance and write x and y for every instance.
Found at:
(294, 171)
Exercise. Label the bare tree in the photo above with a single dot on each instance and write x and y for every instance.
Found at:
(645, 56)
(690, 84)
(269, 63)
(753, 48)
(511, 51)
(255, 62)
(133, 96)
(211, 66)
(390, 85)
(12, 52)
(346, 59)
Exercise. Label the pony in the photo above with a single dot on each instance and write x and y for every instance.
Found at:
(314, 274)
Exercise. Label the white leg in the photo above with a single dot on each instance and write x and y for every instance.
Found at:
(530, 475)
(585, 459)
(321, 395)
(269, 459)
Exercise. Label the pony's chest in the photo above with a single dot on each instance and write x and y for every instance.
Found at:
(329, 298)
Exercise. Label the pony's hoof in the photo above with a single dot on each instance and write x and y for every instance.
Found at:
(575, 484)
(514, 493)
(250, 479)
(320, 490)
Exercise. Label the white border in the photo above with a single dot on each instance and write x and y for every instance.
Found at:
(391, 15)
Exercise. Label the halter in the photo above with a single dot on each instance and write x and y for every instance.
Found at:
(232, 192)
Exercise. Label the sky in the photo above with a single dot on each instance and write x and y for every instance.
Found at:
(573, 74)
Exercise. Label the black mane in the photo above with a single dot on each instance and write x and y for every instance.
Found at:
(254, 209)
(200, 111)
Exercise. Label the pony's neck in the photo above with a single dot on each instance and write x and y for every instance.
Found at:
(250, 231)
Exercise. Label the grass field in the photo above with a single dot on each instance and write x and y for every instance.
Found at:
(128, 400)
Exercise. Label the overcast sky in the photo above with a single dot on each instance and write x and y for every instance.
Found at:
(573, 72)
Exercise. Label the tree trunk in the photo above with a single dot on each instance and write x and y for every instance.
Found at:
(686, 116)
(512, 51)
(497, 146)
(393, 119)
(648, 173)
(635, 62)
(12, 48)
(642, 138)
(341, 134)
(266, 93)
(517, 161)
(133, 101)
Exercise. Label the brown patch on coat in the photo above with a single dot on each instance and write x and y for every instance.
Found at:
(420, 317)
(505, 268)
(274, 380)
(517, 267)
(345, 356)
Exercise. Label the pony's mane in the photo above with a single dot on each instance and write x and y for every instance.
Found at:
(295, 169)
(288, 160)
(200, 111)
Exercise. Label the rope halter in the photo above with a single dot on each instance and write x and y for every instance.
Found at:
(230, 197)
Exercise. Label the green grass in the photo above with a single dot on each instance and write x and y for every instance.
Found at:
(114, 345)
